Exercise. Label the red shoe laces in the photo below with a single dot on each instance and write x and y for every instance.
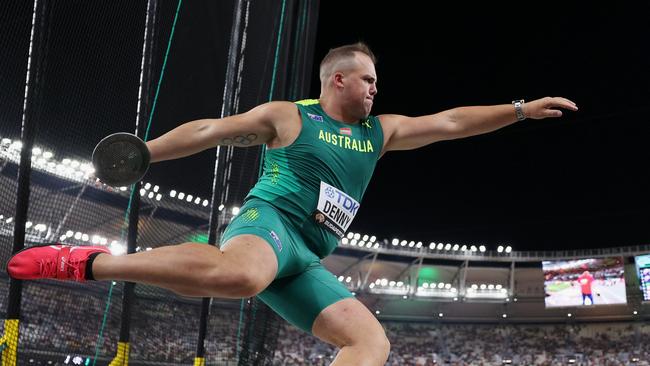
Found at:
(48, 269)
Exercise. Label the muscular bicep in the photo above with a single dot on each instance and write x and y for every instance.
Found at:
(407, 133)
(260, 125)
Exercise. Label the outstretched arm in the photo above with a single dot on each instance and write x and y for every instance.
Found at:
(255, 127)
(406, 133)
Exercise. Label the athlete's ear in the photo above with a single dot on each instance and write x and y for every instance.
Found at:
(338, 79)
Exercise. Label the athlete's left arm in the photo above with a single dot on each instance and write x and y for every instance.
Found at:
(407, 133)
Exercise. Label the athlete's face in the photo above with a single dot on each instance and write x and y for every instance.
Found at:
(360, 87)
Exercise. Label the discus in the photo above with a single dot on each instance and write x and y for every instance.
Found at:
(121, 159)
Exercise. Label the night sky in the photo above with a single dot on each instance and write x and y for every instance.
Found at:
(579, 181)
(576, 182)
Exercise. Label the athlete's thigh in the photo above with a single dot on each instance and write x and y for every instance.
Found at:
(271, 232)
(300, 298)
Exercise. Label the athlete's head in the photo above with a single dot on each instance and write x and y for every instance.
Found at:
(347, 73)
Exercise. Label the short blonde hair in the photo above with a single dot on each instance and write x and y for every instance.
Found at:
(343, 53)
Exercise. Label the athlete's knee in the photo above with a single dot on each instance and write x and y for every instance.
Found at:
(378, 345)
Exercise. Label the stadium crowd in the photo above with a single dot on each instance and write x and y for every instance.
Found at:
(68, 321)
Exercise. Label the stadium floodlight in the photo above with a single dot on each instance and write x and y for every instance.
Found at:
(448, 286)
(474, 286)
(504, 315)
(448, 247)
(482, 287)
(373, 239)
(368, 245)
(181, 195)
(142, 192)
(158, 197)
(405, 297)
(16, 145)
(440, 246)
(372, 285)
(411, 244)
(500, 249)
(425, 285)
(5, 141)
(362, 243)
(440, 315)
(391, 283)
(365, 238)
(123, 189)
(508, 249)
(150, 195)
(635, 312)
(28, 224)
(456, 247)
(77, 235)
(117, 248)
(75, 164)
(357, 236)
(432, 246)
(399, 284)
(47, 155)
(376, 246)
(498, 287)
(348, 279)
(384, 282)
(463, 248)
(189, 198)
(473, 248)
(172, 193)
(84, 237)
(205, 203)
(69, 233)
(403, 243)
(235, 210)
(155, 188)
(36, 151)
(197, 200)
(63, 237)
(569, 315)
(350, 235)
(221, 207)
(490, 287)
(344, 241)
(147, 185)
(353, 242)
(103, 241)
(418, 245)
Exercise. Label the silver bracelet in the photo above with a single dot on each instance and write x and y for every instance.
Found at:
(519, 109)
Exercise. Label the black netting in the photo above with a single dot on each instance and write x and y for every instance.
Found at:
(95, 71)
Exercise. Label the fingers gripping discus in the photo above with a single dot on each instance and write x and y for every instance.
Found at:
(121, 159)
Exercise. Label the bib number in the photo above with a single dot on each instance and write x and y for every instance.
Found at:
(335, 210)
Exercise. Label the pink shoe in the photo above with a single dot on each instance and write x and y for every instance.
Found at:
(56, 261)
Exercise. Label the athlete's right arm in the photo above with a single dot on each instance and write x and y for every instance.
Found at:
(255, 127)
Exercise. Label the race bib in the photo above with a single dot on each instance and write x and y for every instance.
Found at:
(335, 209)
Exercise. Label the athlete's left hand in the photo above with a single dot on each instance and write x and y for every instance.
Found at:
(547, 107)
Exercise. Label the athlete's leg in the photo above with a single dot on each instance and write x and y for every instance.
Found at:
(316, 302)
(349, 325)
(245, 266)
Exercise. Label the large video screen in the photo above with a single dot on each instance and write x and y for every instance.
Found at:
(643, 271)
(584, 282)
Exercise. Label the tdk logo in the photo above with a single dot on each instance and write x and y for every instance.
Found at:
(315, 117)
(347, 203)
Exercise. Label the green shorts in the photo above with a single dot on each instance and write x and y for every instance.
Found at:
(302, 287)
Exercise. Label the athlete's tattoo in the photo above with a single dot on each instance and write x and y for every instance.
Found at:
(242, 140)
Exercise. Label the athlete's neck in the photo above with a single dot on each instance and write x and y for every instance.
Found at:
(336, 111)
